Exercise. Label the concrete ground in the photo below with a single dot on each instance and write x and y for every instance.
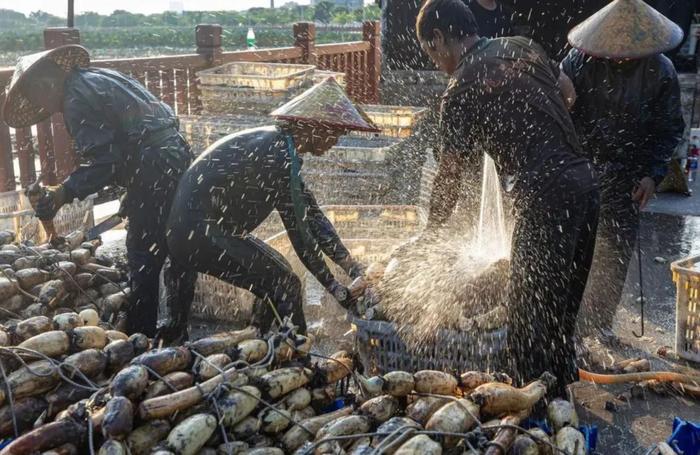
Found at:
(670, 231)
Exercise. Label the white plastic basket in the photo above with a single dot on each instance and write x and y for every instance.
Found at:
(249, 88)
(17, 215)
(394, 121)
(686, 275)
(258, 76)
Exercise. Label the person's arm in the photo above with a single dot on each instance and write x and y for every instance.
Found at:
(456, 120)
(568, 91)
(668, 127)
(447, 187)
(327, 237)
(302, 237)
(569, 68)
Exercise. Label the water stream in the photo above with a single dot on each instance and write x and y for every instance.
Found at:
(493, 236)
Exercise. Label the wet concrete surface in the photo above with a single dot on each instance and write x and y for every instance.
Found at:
(670, 230)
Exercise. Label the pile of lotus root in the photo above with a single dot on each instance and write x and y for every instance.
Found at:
(72, 384)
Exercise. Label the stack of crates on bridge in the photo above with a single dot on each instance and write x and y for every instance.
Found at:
(247, 88)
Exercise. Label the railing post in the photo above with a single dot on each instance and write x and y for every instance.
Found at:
(7, 168)
(63, 149)
(209, 43)
(371, 32)
(305, 38)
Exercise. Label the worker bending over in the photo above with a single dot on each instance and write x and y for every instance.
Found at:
(503, 99)
(125, 137)
(629, 119)
(237, 182)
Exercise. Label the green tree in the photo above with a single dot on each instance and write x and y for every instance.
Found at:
(88, 19)
(324, 12)
(343, 18)
(45, 19)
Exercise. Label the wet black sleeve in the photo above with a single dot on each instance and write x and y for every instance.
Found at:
(456, 122)
(668, 126)
(323, 230)
(95, 140)
(572, 63)
(303, 238)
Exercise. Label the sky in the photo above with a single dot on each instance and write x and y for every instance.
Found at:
(58, 7)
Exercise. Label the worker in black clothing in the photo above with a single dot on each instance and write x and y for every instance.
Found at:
(503, 99)
(125, 137)
(628, 116)
(234, 186)
(493, 18)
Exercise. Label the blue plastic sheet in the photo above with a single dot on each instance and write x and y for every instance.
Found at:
(590, 432)
(685, 438)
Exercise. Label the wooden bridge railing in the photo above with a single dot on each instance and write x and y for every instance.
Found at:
(174, 80)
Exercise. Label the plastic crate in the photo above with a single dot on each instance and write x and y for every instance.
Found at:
(17, 215)
(381, 349)
(321, 75)
(251, 88)
(258, 76)
(394, 121)
(686, 275)
(245, 101)
(201, 131)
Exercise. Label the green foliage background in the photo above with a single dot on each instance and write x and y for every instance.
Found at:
(122, 29)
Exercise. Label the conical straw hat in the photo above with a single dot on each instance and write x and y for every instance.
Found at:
(326, 104)
(18, 111)
(626, 29)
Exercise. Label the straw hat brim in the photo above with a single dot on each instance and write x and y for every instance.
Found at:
(325, 105)
(626, 29)
(18, 111)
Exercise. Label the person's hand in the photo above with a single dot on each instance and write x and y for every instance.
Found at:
(47, 205)
(340, 293)
(357, 288)
(353, 268)
(644, 191)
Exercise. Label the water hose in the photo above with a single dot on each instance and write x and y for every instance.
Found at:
(661, 376)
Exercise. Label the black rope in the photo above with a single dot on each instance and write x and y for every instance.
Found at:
(641, 282)
(10, 399)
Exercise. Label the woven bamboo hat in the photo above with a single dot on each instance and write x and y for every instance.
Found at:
(326, 104)
(626, 29)
(18, 111)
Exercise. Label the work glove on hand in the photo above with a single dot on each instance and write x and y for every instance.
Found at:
(341, 294)
(353, 268)
(52, 199)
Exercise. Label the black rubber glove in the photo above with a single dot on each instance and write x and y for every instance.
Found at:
(341, 294)
(50, 202)
(353, 268)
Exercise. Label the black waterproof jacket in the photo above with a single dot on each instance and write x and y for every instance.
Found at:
(628, 116)
(112, 118)
(237, 183)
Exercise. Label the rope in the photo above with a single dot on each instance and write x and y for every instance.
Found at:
(54, 264)
(160, 378)
(57, 367)
(641, 282)
(245, 392)
(19, 288)
(91, 443)
(10, 399)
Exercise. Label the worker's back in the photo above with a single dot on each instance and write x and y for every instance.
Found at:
(504, 100)
(236, 182)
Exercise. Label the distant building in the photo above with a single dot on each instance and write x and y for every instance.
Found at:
(349, 4)
(176, 6)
